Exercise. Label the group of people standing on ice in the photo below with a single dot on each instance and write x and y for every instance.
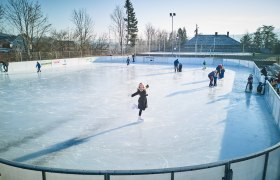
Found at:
(214, 75)
(128, 59)
(178, 66)
(261, 85)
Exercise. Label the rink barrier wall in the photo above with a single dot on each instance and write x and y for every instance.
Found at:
(30, 66)
(258, 166)
(271, 97)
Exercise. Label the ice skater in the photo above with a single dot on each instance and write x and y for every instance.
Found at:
(38, 66)
(142, 101)
(180, 67)
(264, 71)
(211, 78)
(204, 65)
(219, 68)
(249, 83)
(5, 65)
(260, 88)
(127, 61)
(133, 57)
(222, 74)
(176, 64)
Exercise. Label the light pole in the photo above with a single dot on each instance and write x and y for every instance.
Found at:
(172, 15)
(179, 44)
(196, 33)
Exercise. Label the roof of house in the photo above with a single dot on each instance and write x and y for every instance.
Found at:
(210, 40)
(7, 37)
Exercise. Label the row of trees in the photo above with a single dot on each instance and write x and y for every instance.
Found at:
(29, 21)
(125, 29)
(264, 40)
(27, 18)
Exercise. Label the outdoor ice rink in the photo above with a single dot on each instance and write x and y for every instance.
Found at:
(83, 118)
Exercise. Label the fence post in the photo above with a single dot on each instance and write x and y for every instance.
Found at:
(265, 165)
(106, 177)
(172, 175)
(43, 175)
(228, 172)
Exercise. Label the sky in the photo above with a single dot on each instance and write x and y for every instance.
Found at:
(235, 16)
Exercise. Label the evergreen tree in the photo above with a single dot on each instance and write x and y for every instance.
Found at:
(257, 40)
(131, 24)
(269, 37)
(246, 42)
(182, 35)
(276, 48)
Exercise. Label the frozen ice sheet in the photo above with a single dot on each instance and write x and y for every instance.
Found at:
(83, 117)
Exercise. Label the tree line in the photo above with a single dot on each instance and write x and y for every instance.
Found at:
(28, 20)
(264, 40)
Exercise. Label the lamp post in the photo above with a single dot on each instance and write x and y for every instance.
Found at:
(196, 33)
(179, 44)
(172, 15)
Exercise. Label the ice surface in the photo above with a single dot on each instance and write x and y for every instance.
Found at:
(83, 117)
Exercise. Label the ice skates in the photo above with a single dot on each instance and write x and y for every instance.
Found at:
(140, 119)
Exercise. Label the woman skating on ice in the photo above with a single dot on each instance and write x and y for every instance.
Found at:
(142, 101)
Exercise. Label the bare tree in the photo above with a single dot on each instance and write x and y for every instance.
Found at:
(101, 44)
(61, 35)
(60, 38)
(150, 34)
(83, 28)
(27, 18)
(1, 16)
(119, 25)
(162, 39)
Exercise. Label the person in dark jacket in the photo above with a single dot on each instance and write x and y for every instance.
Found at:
(222, 74)
(176, 63)
(133, 57)
(250, 83)
(219, 68)
(211, 78)
(127, 61)
(142, 101)
(180, 67)
(264, 71)
(204, 65)
(260, 88)
(38, 66)
(5, 65)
